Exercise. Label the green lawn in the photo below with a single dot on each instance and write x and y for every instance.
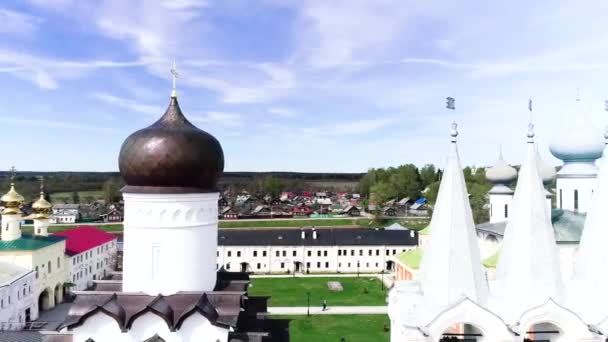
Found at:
(61, 197)
(361, 222)
(60, 228)
(292, 291)
(331, 328)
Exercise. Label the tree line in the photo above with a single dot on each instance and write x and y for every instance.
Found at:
(384, 184)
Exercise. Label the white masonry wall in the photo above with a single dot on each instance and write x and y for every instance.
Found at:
(16, 297)
(565, 193)
(497, 207)
(93, 264)
(170, 242)
(101, 327)
(315, 259)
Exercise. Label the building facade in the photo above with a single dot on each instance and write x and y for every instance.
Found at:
(17, 297)
(90, 255)
(336, 250)
(39, 252)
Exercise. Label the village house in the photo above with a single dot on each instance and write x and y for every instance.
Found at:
(114, 215)
(65, 213)
(228, 213)
(351, 210)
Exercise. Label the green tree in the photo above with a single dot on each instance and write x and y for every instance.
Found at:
(273, 186)
(75, 197)
(428, 175)
(111, 192)
(406, 181)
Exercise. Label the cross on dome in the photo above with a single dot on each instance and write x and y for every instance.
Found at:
(174, 75)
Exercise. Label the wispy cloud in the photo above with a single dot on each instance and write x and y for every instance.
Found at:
(348, 127)
(45, 123)
(282, 112)
(16, 22)
(219, 118)
(45, 72)
(128, 104)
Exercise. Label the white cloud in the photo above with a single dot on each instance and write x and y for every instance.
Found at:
(227, 119)
(40, 122)
(19, 23)
(348, 127)
(128, 104)
(282, 112)
(185, 4)
(45, 71)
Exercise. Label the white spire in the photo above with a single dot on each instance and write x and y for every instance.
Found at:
(528, 269)
(587, 294)
(451, 264)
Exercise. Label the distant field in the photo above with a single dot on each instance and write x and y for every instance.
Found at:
(292, 291)
(332, 328)
(63, 197)
(295, 223)
(59, 228)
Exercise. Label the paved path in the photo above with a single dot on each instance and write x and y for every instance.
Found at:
(54, 317)
(331, 310)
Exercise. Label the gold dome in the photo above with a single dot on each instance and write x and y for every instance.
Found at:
(41, 203)
(12, 201)
(42, 208)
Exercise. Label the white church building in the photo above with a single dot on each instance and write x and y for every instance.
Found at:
(529, 297)
(170, 289)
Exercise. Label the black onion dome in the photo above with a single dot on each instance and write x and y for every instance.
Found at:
(171, 155)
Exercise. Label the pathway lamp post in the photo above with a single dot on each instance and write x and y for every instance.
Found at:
(308, 300)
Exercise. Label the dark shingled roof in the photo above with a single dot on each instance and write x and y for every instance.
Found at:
(227, 306)
(325, 237)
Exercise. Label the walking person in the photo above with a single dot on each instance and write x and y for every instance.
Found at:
(324, 305)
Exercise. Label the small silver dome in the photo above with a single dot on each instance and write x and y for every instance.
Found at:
(501, 172)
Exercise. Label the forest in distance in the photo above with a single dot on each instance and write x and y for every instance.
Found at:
(377, 185)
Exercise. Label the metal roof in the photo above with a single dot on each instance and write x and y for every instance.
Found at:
(324, 237)
(29, 242)
(567, 226)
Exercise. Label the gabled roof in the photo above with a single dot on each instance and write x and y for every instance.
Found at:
(84, 238)
(66, 206)
(10, 272)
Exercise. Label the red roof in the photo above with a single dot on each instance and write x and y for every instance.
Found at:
(83, 238)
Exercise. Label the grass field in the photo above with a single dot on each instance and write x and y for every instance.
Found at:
(292, 291)
(59, 228)
(296, 223)
(62, 197)
(332, 328)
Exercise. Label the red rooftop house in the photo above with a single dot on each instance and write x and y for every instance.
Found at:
(301, 210)
(91, 253)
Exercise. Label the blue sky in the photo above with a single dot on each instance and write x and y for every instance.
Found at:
(303, 85)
